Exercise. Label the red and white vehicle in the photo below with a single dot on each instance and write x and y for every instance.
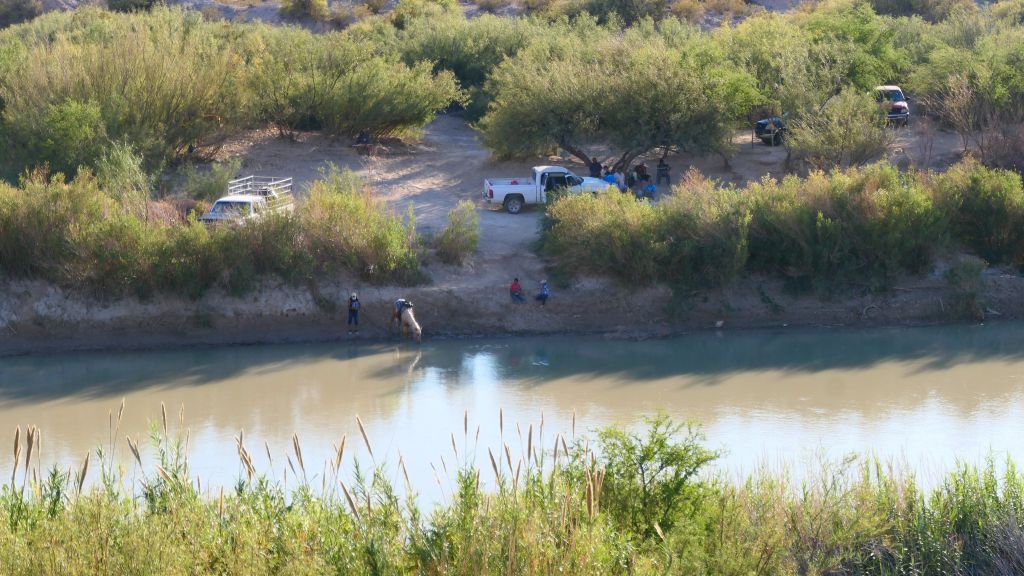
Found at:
(894, 103)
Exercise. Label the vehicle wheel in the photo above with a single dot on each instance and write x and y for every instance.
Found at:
(766, 140)
(777, 139)
(513, 204)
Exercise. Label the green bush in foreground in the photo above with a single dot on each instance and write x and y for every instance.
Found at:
(859, 227)
(644, 503)
(460, 237)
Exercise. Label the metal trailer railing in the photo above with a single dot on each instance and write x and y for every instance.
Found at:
(261, 186)
(277, 191)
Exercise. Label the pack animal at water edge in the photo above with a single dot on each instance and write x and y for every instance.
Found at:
(403, 314)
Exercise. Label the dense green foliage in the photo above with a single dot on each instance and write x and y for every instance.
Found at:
(131, 5)
(77, 234)
(17, 11)
(829, 138)
(651, 87)
(299, 9)
(579, 80)
(859, 227)
(643, 503)
(172, 86)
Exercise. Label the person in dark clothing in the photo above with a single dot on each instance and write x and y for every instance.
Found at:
(595, 168)
(643, 177)
(353, 313)
(663, 169)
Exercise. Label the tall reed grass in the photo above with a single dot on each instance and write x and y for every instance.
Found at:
(623, 502)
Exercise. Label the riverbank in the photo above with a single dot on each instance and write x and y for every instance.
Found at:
(36, 317)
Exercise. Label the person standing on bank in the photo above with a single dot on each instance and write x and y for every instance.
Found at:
(353, 313)
(663, 169)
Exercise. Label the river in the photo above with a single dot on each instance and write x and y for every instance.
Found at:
(922, 397)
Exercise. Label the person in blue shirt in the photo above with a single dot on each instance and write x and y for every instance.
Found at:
(544, 293)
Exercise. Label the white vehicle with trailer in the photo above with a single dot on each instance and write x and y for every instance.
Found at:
(251, 198)
(514, 193)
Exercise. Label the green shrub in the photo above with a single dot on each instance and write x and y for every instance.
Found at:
(987, 211)
(208, 185)
(38, 222)
(74, 135)
(164, 82)
(469, 48)
(18, 11)
(408, 10)
(305, 81)
(345, 228)
(849, 130)
(302, 9)
(697, 238)
(117, 257)
(629, 11)
(344, 15)
(861, 226)
(931, 10)
(79, 236)
(131, 5)
(460, 237)
(388, 99)
(964, 278)
(120, 173)
(632, 92)
(651, 480)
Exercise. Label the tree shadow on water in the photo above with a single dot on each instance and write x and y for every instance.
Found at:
(704, 358)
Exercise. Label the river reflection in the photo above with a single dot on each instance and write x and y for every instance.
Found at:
(925, 396)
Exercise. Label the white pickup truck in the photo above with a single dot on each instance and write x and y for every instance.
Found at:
(251, 198)
(514, 193)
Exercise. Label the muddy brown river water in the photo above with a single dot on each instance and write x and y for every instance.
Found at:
(923, 397)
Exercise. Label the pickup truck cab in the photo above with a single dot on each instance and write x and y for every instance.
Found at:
(894, 103)
(251, 198)
(514, 193)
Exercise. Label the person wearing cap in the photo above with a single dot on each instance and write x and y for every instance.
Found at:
(544, 293)
(353, 313)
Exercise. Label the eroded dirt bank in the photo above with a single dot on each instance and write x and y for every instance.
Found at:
(35, 317)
